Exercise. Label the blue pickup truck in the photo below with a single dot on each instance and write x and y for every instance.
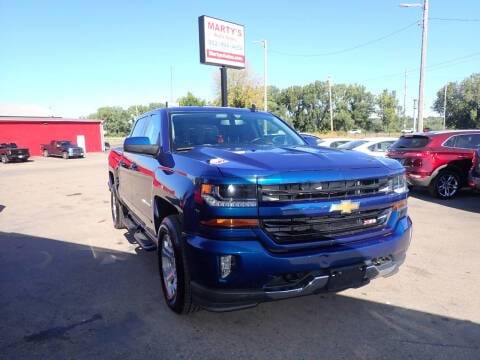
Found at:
(241, 210)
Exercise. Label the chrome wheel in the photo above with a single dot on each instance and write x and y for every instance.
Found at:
(169, 269)
(447, 185)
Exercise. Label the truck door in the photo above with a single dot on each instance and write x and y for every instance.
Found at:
(143, 173)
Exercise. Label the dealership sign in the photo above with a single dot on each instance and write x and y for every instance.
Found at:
(222, 43)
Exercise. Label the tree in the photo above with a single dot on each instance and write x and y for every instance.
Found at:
(463, 103)
(191, 100)
(118, 121)
(353, 106)
(244, 89)
(387, 107)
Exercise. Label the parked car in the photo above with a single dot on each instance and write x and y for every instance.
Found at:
(439, 160)
(11, 152)
(474, 176)
(355, 131)
(63, 148)
(408, 131)
(372, 146)
(242, 210)
(333, 142)
(311, 139)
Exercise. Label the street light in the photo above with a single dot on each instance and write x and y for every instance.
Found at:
(264, 44)
(423, 58)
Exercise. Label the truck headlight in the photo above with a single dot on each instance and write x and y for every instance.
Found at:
(229, 195)
(396, 184)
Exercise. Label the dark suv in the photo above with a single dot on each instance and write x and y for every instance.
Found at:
(11, 152)
(437, 160)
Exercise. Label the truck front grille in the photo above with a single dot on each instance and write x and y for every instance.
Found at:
(324, 227)
(321, 190)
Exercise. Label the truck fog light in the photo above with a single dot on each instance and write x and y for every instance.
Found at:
(226, 264)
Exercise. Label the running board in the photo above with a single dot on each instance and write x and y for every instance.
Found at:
(130, 224)
(144, 241)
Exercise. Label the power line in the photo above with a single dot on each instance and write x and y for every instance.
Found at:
(455, 19)
(440, 65)
(349, 48)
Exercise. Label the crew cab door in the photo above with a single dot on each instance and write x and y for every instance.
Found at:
(139, 170)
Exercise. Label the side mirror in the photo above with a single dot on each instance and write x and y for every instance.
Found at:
(140, 145)
(310, 140)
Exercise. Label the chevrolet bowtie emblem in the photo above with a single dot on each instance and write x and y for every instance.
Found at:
(345, 207)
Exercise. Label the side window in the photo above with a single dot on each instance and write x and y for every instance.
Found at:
(139, 127)
(152, 128)
(384, 145)
(451, 142)
(470, 141)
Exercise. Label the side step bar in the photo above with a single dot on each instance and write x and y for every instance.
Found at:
(140, 237)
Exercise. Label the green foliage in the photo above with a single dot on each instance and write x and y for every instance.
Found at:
(118, 121)
(463, 103)
(191, 100)
(386, 109)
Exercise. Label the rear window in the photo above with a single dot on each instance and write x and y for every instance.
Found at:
(411, 142)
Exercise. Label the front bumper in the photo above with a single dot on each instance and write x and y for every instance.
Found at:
(249, 283)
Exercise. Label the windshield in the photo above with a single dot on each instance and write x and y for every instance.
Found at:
(352, 144)
(190, 129)
(65, 143)
(411, 142)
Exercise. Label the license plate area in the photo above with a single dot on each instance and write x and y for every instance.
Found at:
(346, 277)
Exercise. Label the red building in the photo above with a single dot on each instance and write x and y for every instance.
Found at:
(31, 132)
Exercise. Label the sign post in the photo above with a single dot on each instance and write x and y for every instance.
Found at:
(222, 43)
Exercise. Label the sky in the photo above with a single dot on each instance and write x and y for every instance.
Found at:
(67, 58)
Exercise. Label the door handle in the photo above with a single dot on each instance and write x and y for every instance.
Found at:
(123, 164)
(133, 166)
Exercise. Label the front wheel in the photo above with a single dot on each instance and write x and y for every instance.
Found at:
(117, 211)
(445, 185)
(173, 267)
(65, 155)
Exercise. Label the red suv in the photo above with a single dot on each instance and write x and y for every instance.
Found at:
(437, 160)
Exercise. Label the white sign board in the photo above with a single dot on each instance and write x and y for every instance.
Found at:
(222, 43)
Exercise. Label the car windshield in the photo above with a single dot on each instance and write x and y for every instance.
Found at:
(411, 142)
(65, 143)
(232, 130)
(352, 144)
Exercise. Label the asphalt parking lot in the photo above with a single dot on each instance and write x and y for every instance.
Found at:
(71, 286)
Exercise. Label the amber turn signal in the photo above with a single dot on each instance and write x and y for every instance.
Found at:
(231, 223)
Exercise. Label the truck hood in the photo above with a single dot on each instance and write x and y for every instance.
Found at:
(265, 161)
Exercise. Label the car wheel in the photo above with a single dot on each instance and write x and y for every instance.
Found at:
(4, 159)
(118, 211)
(45, 153)
(173, 268)
(445, 185)
(65, 155)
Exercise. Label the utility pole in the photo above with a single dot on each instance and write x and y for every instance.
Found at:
(330, 101)
(445, 108)
(414, 115)
(405, 100)
(423, 61)
(423, 57)
(265, 72)
(171, 84)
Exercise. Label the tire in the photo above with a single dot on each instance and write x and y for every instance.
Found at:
(445, 185)
(65, 155)
(171, 260)
(4, 159)
(117, 209)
